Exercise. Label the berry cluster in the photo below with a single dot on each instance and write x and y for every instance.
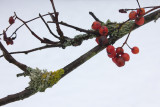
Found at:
(118, 56)
(103, 31)
(137, 16)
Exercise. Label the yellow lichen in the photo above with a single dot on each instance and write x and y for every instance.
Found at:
(42, 79)
(52, 77)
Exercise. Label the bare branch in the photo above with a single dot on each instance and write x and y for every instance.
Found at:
(73, 42)
(16, 97)
(56, 20)
(48, 27)
(138, 4)
(10, 59)
(76, 28)
(26, 22)
(36, 49)
(45, 40)
(29, 29)
(92, 14)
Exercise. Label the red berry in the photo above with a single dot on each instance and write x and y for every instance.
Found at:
(132, 15)
(96, 25)
(141, 11)
(120, 62)
(103, 40)
(97, 39)
(119, 50)
(9, 41)
(114, 59)
(11, 20)
(140, 21)
(103, 30)
(135, 50)
(126, 56)
(110, 49)
(112, 55)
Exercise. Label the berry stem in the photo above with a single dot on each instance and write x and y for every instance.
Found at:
(128, 35)
(128, 45)
(8, 27)
(138, 4)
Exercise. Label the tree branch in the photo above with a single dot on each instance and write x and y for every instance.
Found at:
(56, 20)
(16, 97)
(10, 59)
(44, 40)
(76, 28)
(48, 27)
(70, 67)
(36, 49)
(95, 18)
(26, 22)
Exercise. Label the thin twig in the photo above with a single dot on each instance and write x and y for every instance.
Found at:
(36, 49)
(92, 14)
(29, 29)
(138, 4)
(8, 27)
(48, 27)
(45, 40)
(143, 7)
(74, 27)
(128, 35)
(128, 45)
(28, 22)
(152, 9)
(56, 20)
(24, 24)
(75, 42)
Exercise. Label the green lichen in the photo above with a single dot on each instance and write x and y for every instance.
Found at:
(42, 79)
(81, 36)
(68, 42)
(80, 39)
(114, 30)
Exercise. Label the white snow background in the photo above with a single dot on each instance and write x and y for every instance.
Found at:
(96, 83)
